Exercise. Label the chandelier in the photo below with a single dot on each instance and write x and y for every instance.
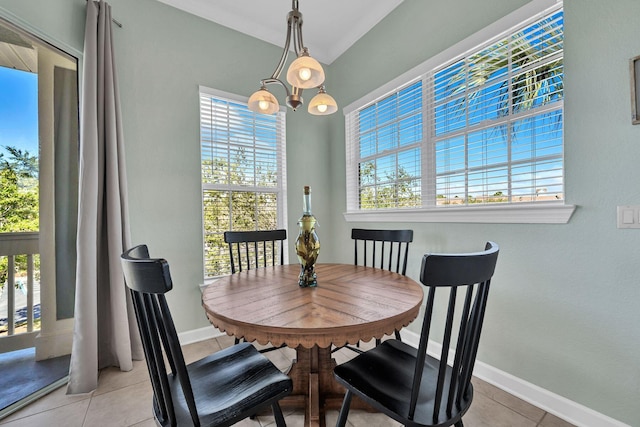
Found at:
(303, 73)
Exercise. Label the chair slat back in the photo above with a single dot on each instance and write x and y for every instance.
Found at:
(148, 280)
(253, 249)
(469, 274)
(386, 249)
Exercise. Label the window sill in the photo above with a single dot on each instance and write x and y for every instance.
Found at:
(538, 213)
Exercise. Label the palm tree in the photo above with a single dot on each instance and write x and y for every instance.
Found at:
(535, 80)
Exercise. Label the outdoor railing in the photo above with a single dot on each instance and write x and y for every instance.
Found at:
(14, 320)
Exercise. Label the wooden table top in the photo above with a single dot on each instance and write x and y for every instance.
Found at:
(351, 303)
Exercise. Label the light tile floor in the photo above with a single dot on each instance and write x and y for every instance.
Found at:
(123, 399)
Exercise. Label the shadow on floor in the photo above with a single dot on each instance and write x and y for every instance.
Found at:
(21, 376)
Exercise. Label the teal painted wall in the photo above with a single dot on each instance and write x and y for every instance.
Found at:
(562, 314)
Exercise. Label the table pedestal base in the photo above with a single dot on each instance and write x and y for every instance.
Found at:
(314, 386)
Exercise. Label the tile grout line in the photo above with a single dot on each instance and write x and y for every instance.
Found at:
(86, 413)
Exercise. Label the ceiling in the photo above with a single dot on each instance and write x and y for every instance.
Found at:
(16, 51)
(330, 26)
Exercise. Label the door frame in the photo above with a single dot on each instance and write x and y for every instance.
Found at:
(55, 336)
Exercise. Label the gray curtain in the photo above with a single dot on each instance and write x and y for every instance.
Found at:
(105, 331)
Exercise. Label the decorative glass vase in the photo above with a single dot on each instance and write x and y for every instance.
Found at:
(307, 244)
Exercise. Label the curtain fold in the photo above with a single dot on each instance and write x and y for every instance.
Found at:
(105, 332)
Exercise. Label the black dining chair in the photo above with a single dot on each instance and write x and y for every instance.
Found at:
(386, 249)
(406, 383)
(254, 249)
(217, 390)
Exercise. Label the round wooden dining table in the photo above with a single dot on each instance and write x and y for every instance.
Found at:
(350, 303)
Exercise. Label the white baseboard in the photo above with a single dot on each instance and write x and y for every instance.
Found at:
(189, 337)
(555, 404)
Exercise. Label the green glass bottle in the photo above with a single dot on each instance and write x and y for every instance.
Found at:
(307, 244)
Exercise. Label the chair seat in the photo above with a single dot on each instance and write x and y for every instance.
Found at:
(383, 377)
(254, 380)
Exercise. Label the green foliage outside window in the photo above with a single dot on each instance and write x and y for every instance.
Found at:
(235, 210)
(392, 192)
(19, 205)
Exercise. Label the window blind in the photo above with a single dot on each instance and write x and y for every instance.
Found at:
(387, 155)
(482, 127)
(243, 173)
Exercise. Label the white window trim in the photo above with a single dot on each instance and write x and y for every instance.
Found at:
(526, 213)
(521, 213)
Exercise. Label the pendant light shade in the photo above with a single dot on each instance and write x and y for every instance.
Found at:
(305, 72)
(322, 104)
(263, 101)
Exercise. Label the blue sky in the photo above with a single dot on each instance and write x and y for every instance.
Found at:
(18, 110)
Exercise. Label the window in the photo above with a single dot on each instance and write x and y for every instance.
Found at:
(479, 128)
(243, 173)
